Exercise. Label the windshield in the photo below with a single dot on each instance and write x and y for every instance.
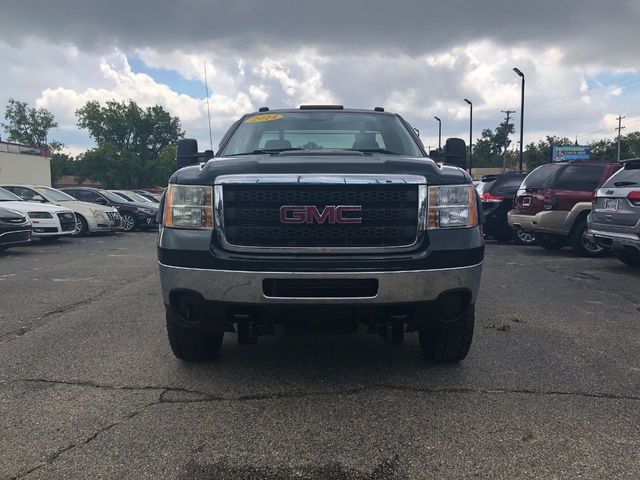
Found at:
(322, 130)
(7, 196)
(54, 195)
(112, 197)
(137, 198)
(122, 195)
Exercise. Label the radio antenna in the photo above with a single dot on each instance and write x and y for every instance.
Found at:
(206, 87)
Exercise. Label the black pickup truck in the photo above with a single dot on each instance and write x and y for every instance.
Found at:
(320, 219)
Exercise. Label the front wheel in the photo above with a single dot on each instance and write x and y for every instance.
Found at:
(81, 226)
(129, 222)
(449, 342)
(582, 244)
(190, 344)
(630, 258)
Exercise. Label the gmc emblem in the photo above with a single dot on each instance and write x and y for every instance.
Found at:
(311, 214)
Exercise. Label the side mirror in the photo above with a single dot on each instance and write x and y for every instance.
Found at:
(454, 153)
(187, 153)
(100, 201)
(38, 198)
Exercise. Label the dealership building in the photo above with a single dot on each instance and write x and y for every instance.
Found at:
(25, 165)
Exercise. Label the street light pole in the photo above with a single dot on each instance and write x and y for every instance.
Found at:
(470, 134)
(521, 75)
(439, 133)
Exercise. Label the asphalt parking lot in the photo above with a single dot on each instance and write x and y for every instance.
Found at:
(90, 389)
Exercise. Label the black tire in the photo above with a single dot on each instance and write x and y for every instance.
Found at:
(550, 242)
(129, 222)
(449, 342)
(192, 345)
(82, 228)
(581, 245)
(523, 238)
(629, 258)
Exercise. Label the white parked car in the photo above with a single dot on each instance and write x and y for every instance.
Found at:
(50, 222)
(90, 217)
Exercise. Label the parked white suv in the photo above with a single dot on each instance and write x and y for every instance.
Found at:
(50, 222)
(90, 217)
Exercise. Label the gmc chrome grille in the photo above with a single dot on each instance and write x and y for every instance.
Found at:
(252, 217)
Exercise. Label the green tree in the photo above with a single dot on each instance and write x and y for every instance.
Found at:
(608, 149)
(138, 135)
(536, 154)
(110, 166)
(489, 149)
(30, 126)
(62, 164)
(164, 167)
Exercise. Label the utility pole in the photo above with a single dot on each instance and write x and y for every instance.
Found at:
(620, 128)
(506, 138)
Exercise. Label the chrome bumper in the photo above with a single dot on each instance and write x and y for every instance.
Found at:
(247, 287)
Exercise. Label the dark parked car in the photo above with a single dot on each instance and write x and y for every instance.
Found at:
(554, 200)
(15, 229)
(149, 196)
(497, 193)
(614, 221)
(134, 215)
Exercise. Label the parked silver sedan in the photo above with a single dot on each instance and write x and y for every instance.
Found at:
(614, 221)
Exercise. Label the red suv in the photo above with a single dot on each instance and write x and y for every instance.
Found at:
(554, 200)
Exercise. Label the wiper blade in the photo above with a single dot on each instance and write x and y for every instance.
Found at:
(259, 151)
(624, 184)
(375, 150)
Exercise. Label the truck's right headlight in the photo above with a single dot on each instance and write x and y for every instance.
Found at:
(188, 206)
(452, 206)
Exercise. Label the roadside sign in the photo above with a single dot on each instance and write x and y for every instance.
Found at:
(567, 153)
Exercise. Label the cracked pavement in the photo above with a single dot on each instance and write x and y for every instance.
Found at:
(90, 389)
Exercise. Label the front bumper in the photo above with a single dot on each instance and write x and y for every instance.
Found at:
(147, 221)
(15, 237)
(247, 287)
(105, 224)
(49, 227)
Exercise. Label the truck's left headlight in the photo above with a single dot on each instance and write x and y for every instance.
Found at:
(188, 206)
(452, 206)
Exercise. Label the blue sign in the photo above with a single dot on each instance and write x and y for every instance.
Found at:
(569, 153)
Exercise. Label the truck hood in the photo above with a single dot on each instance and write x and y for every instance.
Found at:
(315, 163)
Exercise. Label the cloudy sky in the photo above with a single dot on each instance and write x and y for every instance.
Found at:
(419, 58)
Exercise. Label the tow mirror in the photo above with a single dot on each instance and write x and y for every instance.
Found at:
(187, 153)
(454, 153)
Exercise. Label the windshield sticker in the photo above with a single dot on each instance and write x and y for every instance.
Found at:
(269, 117)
